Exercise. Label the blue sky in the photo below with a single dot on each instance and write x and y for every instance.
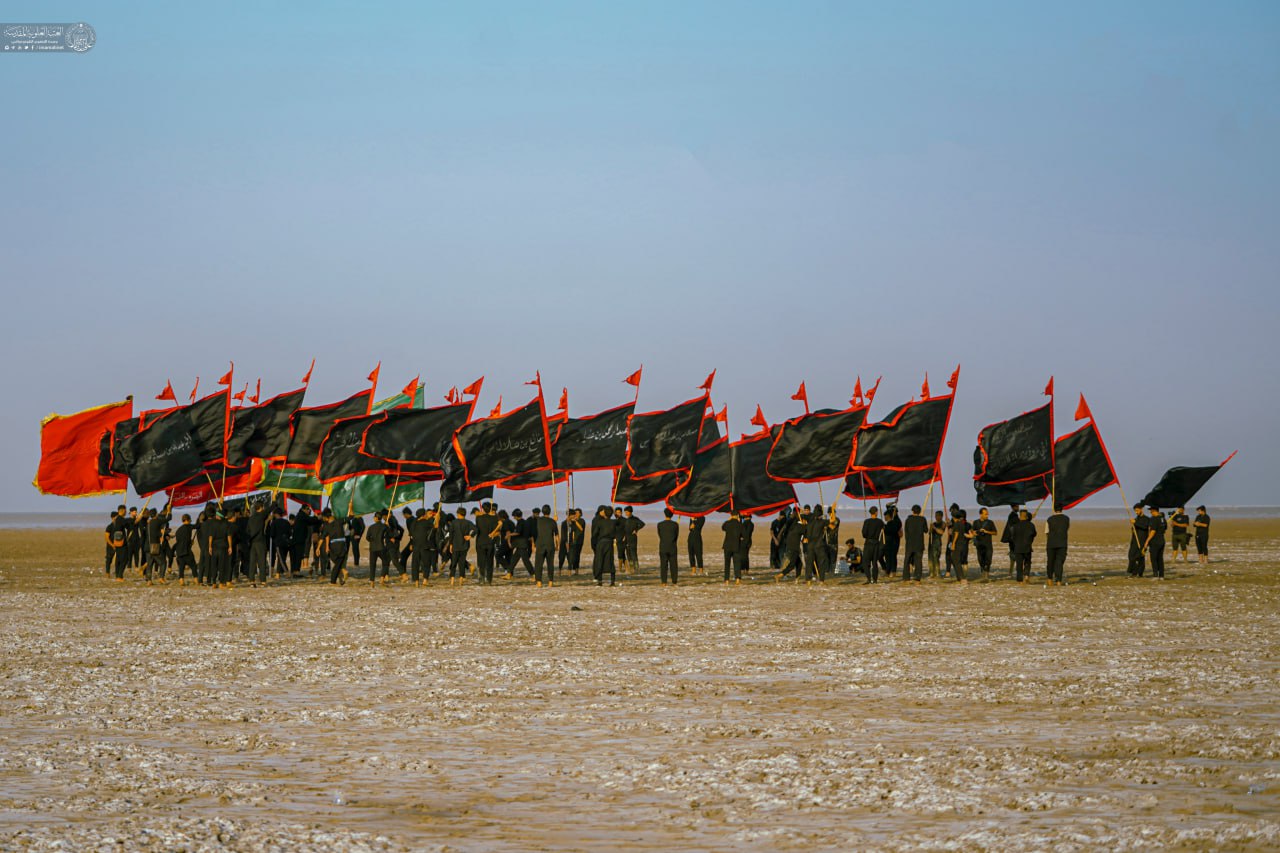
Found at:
(783, 192)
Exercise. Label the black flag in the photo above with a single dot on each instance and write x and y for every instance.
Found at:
(709, 486)
(164, 454)
(1011, 494)
(1082, 466)
(1179, 485)
(104, 454)
(710, 431)
(120, 458)
(666, 441)
(493, 449)
(1017, 449)
(340, 456)
(754, 491)
(208, 417)
(534, 480)
(453, 488)
(308, 427)
(910, 438)
(593, 443)
(650, 490)
(880, 484)
(817, 446)
(262, 431)
(414, 435)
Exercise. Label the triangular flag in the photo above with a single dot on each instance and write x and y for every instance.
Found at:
(239, 398)
(711, 377)
(723, 415)
(373, 376)
(412, 388)
(634, 379)
(801, 394)
(306, 380)
(758, 418)
(856, 399)
(167, 393)
(257, 394)
(195, 390)
(564, 400)
(227, 377)
(955, 378)
(474, 388)
(496, 412)
(536, 380)
(924, 389)
(871, 395)
(1048, 389)
(1082, 410)
(452, 397)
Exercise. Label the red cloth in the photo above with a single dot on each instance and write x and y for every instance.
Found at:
(69, 446)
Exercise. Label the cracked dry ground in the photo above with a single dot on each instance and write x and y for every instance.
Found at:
(1110, 714)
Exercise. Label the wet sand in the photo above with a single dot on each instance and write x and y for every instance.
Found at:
(1109, 714)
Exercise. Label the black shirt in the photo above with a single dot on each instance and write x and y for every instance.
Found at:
(695, 530)
(732, 529)
(376, 536)
(1023, 534)
(257, 525)
(485, 525)
(984, 530)
(423, 534)
(872, 530)
(913, 531)
(892, 530)
(1157, 524)
(1057, 535)
(668, 535)
(1202, 532)
(544, 535)
(182, 540)
(795, 535)
(1180, 526)
(335, 530)
(601, 531)
(633, 526)
(1140, 527)
(459, 530)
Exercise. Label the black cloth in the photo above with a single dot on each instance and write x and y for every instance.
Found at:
(693, 542)
(1058, 525)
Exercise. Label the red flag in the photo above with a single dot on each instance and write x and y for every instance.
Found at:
(373, 375)
(257, 394)
(536, 380)
(452, 397)
(306, 380)
(723, 415)
(924, 389)
(564, 400)
(711, 377)
(69, 447)
(801, 394)
(1048, 389)
(496, 412)
(411, 389)
(1082, 410)
(634, 379)
(195, 390)
(955, 378)
(758, 418)
(167, 393)
(856, 399)
(227, 377)
(871, 395)
(474, 388)
(239, 398)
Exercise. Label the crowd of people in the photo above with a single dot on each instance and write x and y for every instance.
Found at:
(261, 543)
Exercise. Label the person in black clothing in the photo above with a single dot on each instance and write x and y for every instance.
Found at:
(256, 531)
(668, 544)
(522, 540)
(693, 542)
(1006, 535)
(219, 537)
(914, 530)
(137, 533)
(620, 540)
(281, 532)
(731, 546)
(157, 533)
(777, 536)
(961, 536)
(1024, 533)
(793, 545)
(335, 533)
(355, 533)
(984, 530)
(487, 534)
(602, 546)
(853, 556)
(406, 542)
(1156, 527)
(872, 541)
(1055, 545)
(576, 533)
(461, 532)
(204, 538)
(1180, 532)
(892, 540)
(422, 538)
(562, 552)
(546, 536)
(744, 547)
(1137, 543)
(815, 537)
(504, 553)
(375, 537)
(632, 525)
(395, 535)
(111, 551)
(937, 535)
(1201, 526)
(183, 538)
(300, 544)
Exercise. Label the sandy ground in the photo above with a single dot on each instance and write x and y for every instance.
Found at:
(1110, 714)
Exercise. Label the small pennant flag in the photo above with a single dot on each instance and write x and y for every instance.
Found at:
(452, 397)
(536, 380)
(634, 379)
(167, 393)
(373, 376)
(871, 395)
(195, 390)
(924, 389)
(257, 393)
(496, 412)
(758, 418)
(801, 394)
(706, 386)
(473, 389)
(856, 399)
(227, 377)
(955, 378)
(239, 398)
(306, 380)
(412, 388)
(564, 400)
(723, 415)
(1048, 389)
(1082, 410)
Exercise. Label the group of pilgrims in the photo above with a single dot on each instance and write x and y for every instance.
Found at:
(260, 542)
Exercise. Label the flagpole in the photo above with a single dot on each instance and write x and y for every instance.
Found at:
(394, 488)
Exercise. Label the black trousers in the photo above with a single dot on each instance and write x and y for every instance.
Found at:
(379, 555)
(424, 563)
(935, 558)
(817, 562)
(695, 554)
(912, 565)
(668, 566)
(185, 561)
(155, 564)
(732, 565)
(523, 553)
(775, 555)
(458, 563)
(1137, 560)
(602, 563)
(871, 560)
(1056, 559)
(122, 555)
(889, 557)
(111, 555)
(633, 553)
(985, 553)
(1022, 565)
(355, 549)
(575, 556)
(562, 556)
(545, 556)
(219, 564)
(485, 558)
(337, 559)
(258, 560)
(1156, 550)
(795, 560)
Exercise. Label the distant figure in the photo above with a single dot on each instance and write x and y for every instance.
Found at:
(793, 545)
(1156, 527)
(892, 540)
(602, 546)
(632, 526)
(1202, 535)
(937, 534)
(1006, 536)
(183, 538)
(545, 539)
(961, 535)
(984, 530)
(1055, 543)
(853, 556)
(694, 544)
(1024, 533)
(376, 538)
(731, 547)
(461, 531)
(577, 535)
(1137, 543)
(816, 538)
(872, 542)
(620, 539)
(668, 545)
(334, 531)
(1180, 533)
(914, 530)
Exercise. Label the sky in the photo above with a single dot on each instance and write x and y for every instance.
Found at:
(782, 192)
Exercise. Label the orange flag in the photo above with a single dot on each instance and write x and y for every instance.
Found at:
(1082, 410)
(195, 390)
(474, 388)
(955, 378)
(227, 377)
(167, 393)
(634, 379)
(564, 400)
(411, 389)
(758, 418)
(1048, 389)
(924, 389)
(496, 412)
(257, 393)
(706, 386)
(306, 380)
